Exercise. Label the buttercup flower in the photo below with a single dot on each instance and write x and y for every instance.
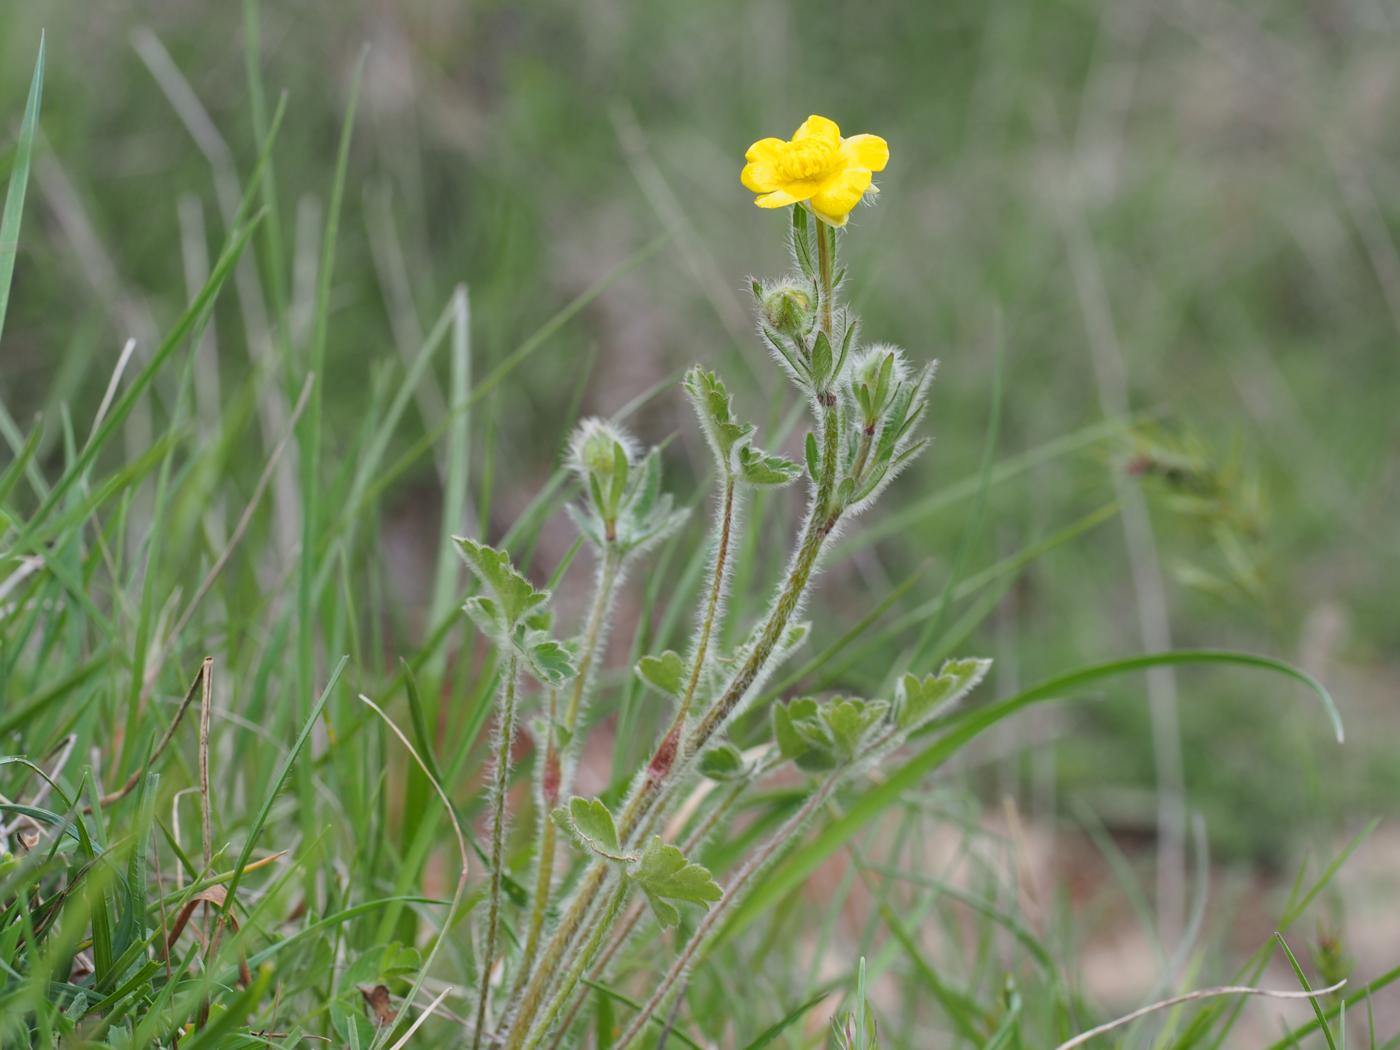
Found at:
(817, 167)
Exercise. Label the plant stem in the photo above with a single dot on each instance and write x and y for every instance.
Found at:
(547, 795)
(821, 519)
(593, 637)
(576, 970)
(692, 842)
(593, 633)
(733, 893)
(669, 751)
(824, 275)
(505, 732)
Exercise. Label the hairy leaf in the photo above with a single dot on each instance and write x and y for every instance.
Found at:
(514, 593)
(724, 763)
(759, 468)
(666, 672)
(917, 700)
(664, 875)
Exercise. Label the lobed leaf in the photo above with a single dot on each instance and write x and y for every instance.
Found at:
(917, 700)
(666, 672)
(592, 824)
(759, 468)
(724, 763)
(664, 874)
(514, 593)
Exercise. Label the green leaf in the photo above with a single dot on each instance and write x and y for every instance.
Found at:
(549, 661)
(724, 763)
(591, 823)
(19, 181)
(848, 338)
(486, 614)
(792, 638)
(621, 468)
(792, 744)
(848, 721)
(589, 524)
(821, 360)
(768, 1035)
(714, 406)
(823, 736)
(515, 594)
(960, 728)
(664, 875)
(814, 458)
(794, 365)
(645, 497)
(803, 253)
(666, 672)
(758, 468)
(917, 700)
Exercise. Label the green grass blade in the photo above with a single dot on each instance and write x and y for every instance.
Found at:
(768, 1035)
(279, 781)
(19, 182)
(1303, 982)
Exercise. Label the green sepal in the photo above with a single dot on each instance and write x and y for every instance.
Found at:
(795, 365)
(822, 361)
(800, 242)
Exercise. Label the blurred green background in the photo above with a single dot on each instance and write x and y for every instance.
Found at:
(1180, 217)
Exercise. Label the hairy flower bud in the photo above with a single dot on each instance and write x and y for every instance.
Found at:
(876, 373)
(593, 450)
(787, 306)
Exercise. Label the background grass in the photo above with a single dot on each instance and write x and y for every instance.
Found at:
(1173, 217)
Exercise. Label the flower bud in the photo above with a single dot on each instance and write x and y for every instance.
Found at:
(787, 306)
(876, 373)
(593, 450)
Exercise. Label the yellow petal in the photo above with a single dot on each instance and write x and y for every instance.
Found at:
(815, 127)
(870, 152)
(776, 199)
(830, 220)
(759, 176)
(834, 201)
(763, 149)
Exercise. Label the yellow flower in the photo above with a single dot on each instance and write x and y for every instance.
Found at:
(817, 167)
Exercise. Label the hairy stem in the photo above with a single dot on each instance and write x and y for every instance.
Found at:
(561, 773)
(732, 895)
(821, 519)
(824, 275)
(634, 914)
(669, 751)
(593, 633)
(505, 732)
(548, 780)
(576, 970)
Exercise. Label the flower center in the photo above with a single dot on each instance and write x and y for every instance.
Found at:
(805, 159)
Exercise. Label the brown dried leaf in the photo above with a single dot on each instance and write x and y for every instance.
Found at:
(377, 999)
